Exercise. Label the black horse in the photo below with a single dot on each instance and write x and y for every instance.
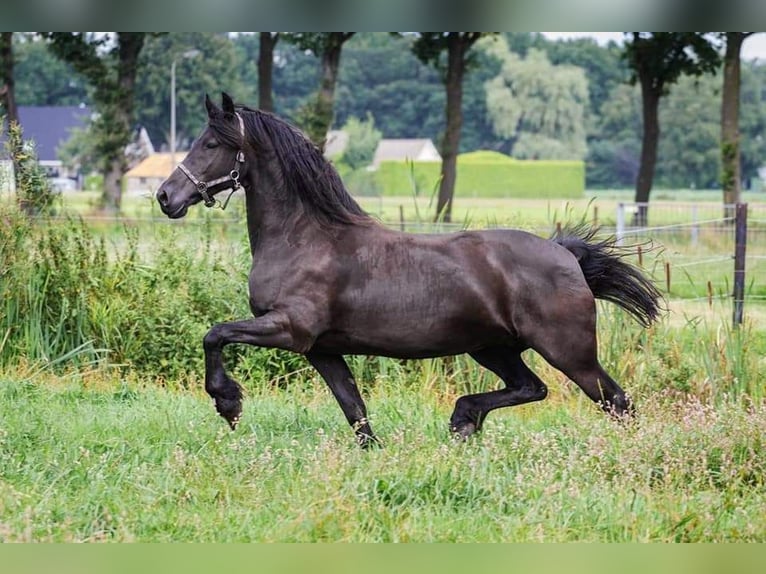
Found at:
(328, 280)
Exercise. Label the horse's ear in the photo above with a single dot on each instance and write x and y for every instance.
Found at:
(212, 109)
(228, 103)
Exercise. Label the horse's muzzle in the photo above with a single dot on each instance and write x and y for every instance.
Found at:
(172, 211)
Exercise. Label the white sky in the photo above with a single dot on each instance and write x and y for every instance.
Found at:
(754, 46)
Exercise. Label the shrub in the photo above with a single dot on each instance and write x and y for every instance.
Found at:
(32, 188)
(488, 174)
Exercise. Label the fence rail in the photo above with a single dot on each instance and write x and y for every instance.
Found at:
(731, 234)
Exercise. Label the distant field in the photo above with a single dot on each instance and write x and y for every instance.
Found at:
(595, 206)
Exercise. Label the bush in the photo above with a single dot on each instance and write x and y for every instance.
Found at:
(67, 298)
(363, 139)
(33, 190)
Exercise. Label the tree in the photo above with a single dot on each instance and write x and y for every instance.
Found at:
(603, 65)
(689, 150)
(381, 76)
(8, 98)
(657, 60)
(267, 41)
(109, 63)
(614, 147)
(730, 145)
(752, 120)
(206, 62)
(538, 106)
(429, 47)
(42, 79)
(316, 118)
(8, 86)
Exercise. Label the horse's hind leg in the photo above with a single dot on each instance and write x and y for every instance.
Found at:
(522, 386)
(337, 375)
(570, 346)
(595, 382)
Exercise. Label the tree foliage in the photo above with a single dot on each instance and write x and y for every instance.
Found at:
(363, 139)
(450, 53)
(205, 63)
(381, 75)
(657, 61)
(316, 116)
(539, 107)
(45, 79)
(109, 64)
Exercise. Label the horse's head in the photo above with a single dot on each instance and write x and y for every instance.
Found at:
(214, 162)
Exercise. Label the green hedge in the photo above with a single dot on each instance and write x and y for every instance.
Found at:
(487, 174)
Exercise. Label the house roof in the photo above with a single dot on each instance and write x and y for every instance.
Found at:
(401, 149)
(50, 126)
(156, 165)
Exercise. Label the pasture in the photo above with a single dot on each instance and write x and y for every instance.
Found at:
(110, 436)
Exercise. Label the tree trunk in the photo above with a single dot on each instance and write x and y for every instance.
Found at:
(323, 111)
(7, 89)
(8, 93)
(456, 50)
(730, 157)
(265, 70)
(650, 96)
(121, 119)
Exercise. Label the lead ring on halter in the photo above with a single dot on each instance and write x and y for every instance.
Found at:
(233, 177)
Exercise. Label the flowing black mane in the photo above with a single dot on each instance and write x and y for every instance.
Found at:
(305, 171)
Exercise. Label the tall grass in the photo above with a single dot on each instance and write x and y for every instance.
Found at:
(143, 299)
(64, 289)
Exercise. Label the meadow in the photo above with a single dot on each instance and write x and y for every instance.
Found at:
(107, 435)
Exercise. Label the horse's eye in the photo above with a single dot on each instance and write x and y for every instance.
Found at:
(211, 144)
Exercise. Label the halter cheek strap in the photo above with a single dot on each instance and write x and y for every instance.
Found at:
(232, 179)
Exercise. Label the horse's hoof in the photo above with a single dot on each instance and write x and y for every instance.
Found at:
(462, 431)
(368, 442)
(230, 410)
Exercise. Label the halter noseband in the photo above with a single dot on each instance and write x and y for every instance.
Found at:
(232, 178)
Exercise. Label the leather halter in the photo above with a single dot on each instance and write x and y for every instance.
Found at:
(231, 179)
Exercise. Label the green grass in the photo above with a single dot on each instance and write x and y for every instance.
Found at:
(136, 452)
(109, 460)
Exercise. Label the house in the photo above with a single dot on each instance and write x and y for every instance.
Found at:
(405, 149)
(47, 127)
(148, 174)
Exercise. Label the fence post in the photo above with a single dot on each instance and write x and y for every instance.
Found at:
(695, 228)
(620, 222)
(740, 243)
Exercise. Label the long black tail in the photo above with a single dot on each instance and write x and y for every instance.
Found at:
(609, 276)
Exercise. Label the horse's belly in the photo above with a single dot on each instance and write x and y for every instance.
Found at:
(412, 342)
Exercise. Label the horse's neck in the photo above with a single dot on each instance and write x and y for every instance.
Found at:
(270, 219)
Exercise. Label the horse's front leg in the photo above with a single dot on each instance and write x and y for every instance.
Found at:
(270, 330)
(337, 375)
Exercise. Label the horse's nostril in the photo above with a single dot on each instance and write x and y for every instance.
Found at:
(162, 197)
